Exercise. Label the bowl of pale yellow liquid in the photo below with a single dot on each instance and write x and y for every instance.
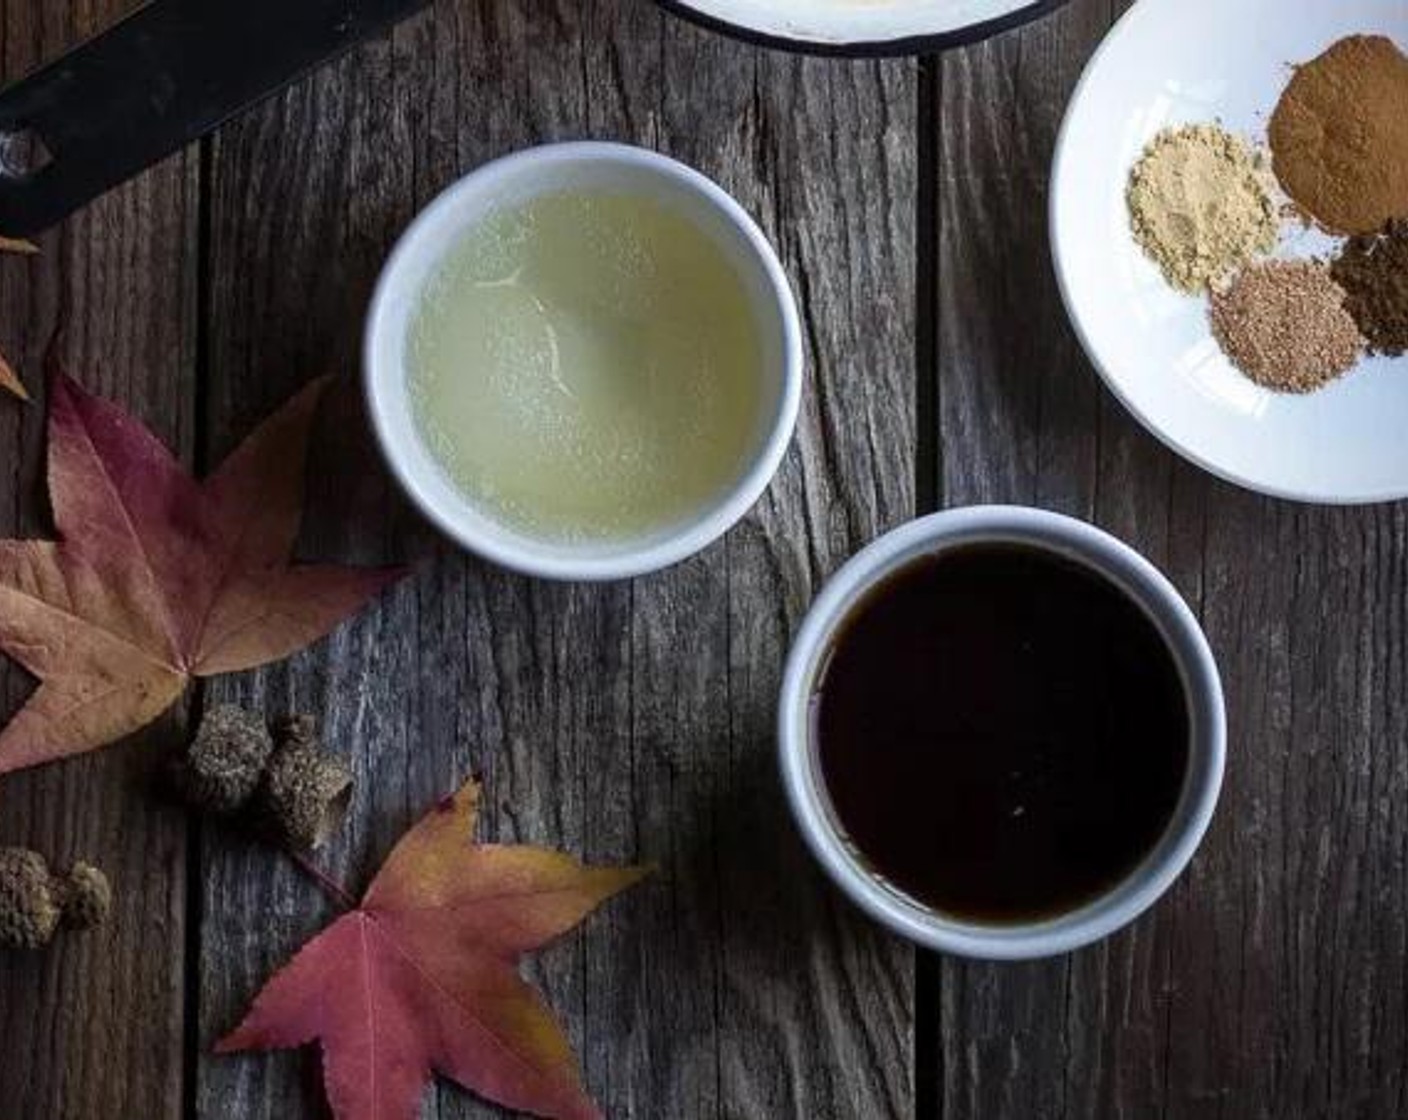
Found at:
(584, 361)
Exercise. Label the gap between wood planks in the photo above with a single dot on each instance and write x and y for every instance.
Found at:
(928, 497)
(195, 894)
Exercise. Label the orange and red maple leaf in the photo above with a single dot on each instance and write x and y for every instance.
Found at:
(422, 977)
(158, 578)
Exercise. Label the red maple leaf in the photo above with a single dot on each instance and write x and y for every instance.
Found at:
(422, 978)
(159, 578)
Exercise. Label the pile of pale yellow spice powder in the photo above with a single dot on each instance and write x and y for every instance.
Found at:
(1202, 205)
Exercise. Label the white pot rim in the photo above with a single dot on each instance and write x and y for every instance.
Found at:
(1148, 587)
(842, 27)
(423, 245)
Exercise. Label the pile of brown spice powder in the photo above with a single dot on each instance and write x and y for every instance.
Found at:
(1284, 325)
(1339, 135)
(1373, 271)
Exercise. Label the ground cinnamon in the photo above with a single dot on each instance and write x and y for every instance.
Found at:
(1339, 135)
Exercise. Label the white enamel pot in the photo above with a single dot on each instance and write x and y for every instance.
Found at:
(862, 27)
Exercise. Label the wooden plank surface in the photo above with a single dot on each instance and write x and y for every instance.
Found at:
(629, 722)
(1298, 907)
(1271, 983)
(93, 1027)
(634, 722)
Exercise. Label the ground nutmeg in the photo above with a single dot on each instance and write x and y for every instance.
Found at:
(1284, 324)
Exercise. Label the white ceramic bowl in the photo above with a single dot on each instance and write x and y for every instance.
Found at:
(511, 181)
(860, 27)
(1172, 62)
(1074, 540)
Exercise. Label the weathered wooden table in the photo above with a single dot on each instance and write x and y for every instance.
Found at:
(634, 722)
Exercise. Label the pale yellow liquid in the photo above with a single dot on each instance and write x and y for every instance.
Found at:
(586, 367)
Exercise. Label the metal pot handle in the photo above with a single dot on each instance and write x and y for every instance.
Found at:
(155, 81)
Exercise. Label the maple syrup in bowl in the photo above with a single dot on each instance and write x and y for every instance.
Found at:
(1002, 732)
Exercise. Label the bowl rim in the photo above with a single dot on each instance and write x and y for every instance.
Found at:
(515, 551)
(865, 47)
(1138, 577)
(1057, 242)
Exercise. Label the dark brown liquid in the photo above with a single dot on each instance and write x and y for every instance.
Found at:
(1003, 734)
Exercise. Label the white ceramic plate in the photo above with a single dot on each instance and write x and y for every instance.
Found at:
(863, 26)
(1172, 62)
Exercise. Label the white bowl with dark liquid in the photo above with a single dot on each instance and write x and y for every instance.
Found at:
(1124, 574)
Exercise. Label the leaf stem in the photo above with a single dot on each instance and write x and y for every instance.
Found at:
(335, 890)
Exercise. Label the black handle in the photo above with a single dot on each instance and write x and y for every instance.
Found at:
(159, 79)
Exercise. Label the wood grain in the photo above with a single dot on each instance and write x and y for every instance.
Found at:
(1296, 914)
(1271, 982)
(628, 722)
(634, 722)
(93, 1026)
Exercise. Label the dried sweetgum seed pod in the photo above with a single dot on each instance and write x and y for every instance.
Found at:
(284, 780)
(87, 897)
(296, 731)
(226, 759)
(34, 902)
(29, 909)
(306, 790)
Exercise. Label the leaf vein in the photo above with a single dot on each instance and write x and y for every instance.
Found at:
(124, 640)
(139, 544)
(448, 995)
